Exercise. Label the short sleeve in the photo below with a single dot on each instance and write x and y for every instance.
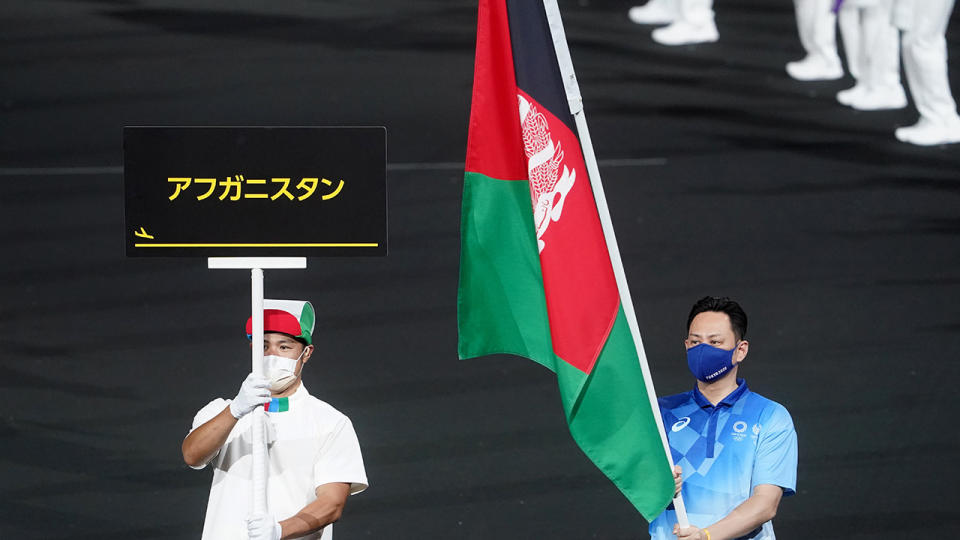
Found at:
(204, 415)
(339, 459)
(776, 461)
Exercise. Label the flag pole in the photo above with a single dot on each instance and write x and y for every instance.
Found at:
(575, 102)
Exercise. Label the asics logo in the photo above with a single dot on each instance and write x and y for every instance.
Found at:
(680, 424)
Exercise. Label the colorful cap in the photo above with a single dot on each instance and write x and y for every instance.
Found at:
(293, 317)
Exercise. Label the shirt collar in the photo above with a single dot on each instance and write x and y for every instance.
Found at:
(284, 404)
(300, 393)
(727, 401)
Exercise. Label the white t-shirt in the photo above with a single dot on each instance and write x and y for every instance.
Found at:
(309, 445)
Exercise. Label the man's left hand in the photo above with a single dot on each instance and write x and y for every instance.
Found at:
(677, 480)
(689, 533)
(263, 527)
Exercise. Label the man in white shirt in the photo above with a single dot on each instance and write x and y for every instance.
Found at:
(314, 460)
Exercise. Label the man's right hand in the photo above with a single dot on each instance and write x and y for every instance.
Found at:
(254, 392)
(263, 527)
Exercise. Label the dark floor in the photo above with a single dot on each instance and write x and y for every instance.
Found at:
(723, 176)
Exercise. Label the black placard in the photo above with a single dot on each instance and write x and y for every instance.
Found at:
(255, 191)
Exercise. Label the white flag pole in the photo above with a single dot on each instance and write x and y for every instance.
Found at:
(575, 102)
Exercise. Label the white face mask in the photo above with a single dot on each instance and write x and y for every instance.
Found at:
(281, 371)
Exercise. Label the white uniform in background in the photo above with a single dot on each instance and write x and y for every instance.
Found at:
(816, 24)
(924, 25)
(872, 45)
(655, 12)
(693, 24)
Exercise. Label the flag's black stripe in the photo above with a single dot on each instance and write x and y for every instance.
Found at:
(535, 60)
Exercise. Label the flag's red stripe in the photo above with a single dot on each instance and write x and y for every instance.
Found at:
(494, 144)
(580, 287)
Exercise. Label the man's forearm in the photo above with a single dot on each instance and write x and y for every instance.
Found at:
(752, 513)
(207, 439)
(323, 511)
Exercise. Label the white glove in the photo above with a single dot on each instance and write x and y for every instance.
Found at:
(255, 391)
(263, 527)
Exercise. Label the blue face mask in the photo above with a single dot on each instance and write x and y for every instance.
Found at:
(708, 363)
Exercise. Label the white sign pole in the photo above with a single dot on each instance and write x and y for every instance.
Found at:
(575, 102)
(259, 476)
(258, 435)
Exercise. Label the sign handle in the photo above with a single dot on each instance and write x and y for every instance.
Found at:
(259, 416)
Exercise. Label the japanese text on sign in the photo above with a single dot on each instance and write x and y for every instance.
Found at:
(234, 188)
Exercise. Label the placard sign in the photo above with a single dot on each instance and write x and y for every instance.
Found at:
(255, 191)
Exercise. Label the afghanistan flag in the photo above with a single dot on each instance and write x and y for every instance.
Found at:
(536, 278)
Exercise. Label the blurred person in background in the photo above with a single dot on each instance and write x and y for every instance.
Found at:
(816, 24)
(924, 44)
(872, 46)
(655, 12)
(689, 21)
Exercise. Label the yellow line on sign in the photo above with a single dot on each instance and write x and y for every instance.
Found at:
(254, 245)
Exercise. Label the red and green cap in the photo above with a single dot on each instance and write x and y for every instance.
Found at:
(292, 317)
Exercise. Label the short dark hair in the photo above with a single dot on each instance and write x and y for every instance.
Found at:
(738, 317)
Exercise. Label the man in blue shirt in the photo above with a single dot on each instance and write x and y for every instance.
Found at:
(737, 450)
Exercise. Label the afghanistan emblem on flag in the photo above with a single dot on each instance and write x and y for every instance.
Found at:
(548, 187)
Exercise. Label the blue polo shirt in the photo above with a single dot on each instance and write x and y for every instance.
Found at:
(726, 451)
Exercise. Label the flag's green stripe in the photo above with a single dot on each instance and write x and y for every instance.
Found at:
(501, 303)
(612, 421)
(501, 307)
